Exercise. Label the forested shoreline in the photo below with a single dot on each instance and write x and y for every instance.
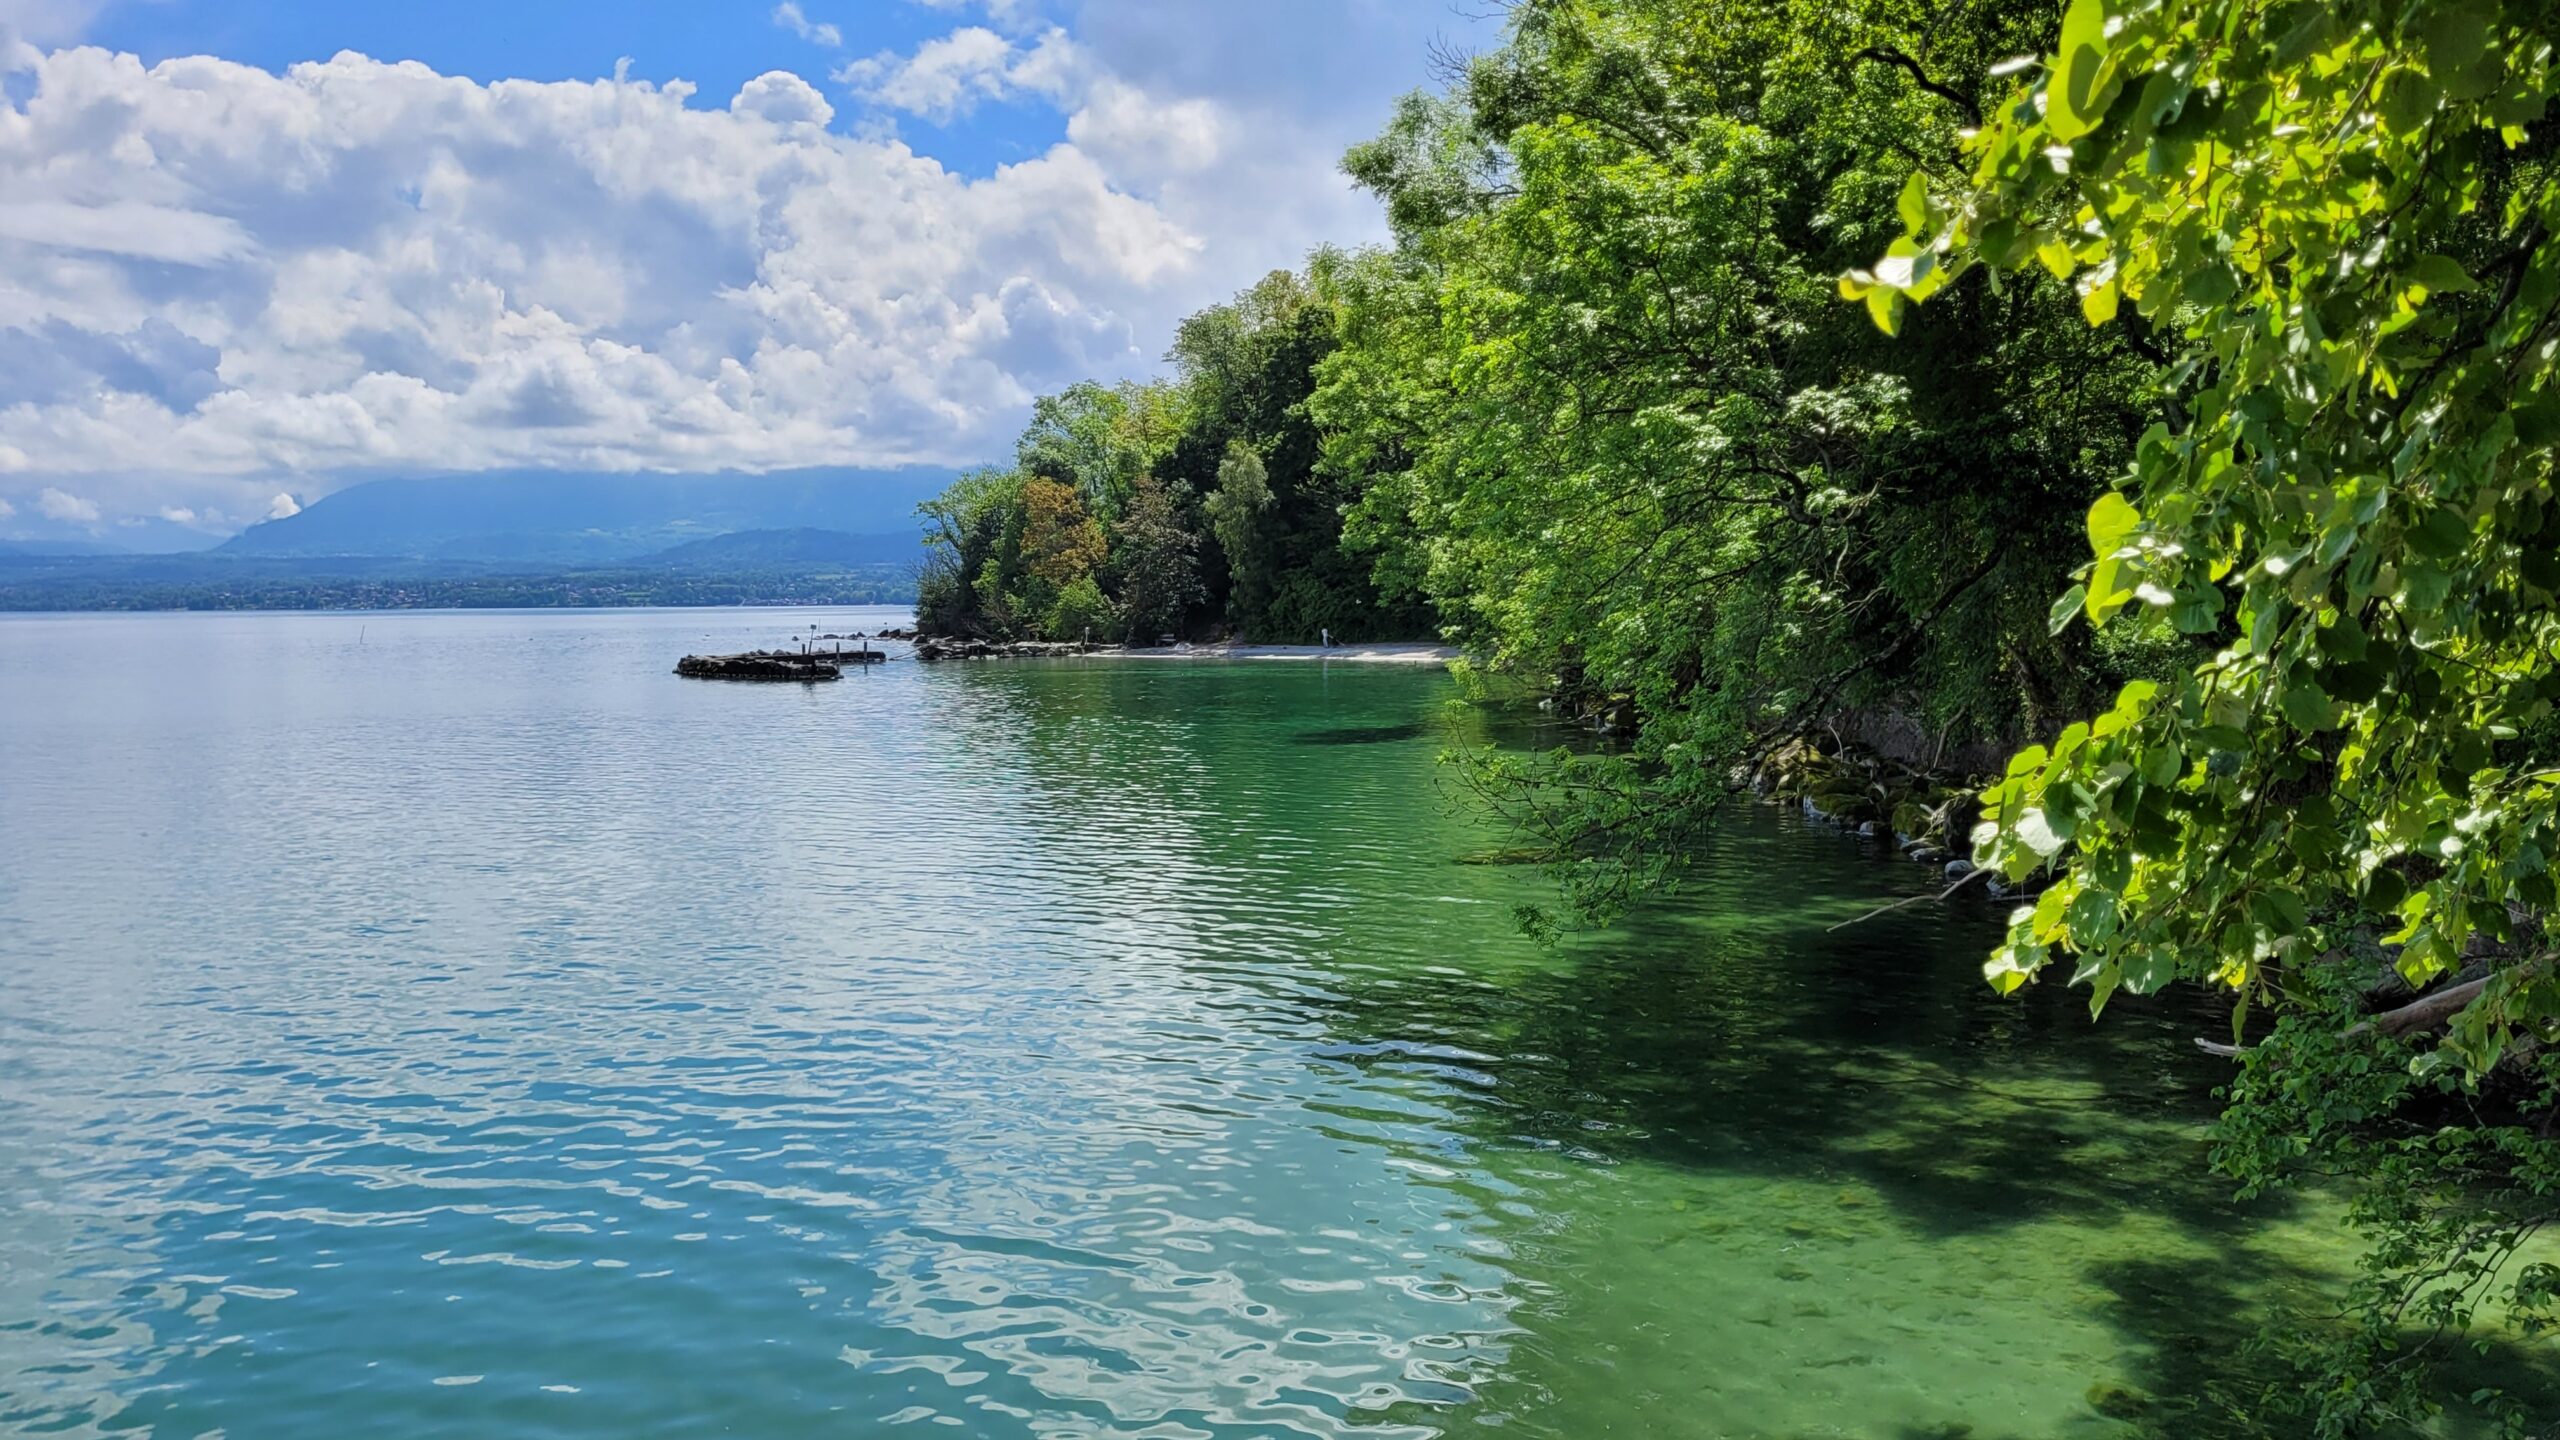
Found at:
(2157, 389)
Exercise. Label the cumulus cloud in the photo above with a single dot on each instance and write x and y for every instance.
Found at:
(70, 509)
(943, 80)
(283, 507)
(784, 98)
(1139, 135)
(220, 280)
(788, 16)
(350, 266)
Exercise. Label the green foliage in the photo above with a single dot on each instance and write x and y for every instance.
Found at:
(2454, 1209)
(1618, 429)
(2356, 511)
(1099, 523)
(1156, 557)
(1100, 440)
(1235, 512)
(2342, 212)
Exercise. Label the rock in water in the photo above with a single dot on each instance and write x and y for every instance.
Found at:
(756, 667)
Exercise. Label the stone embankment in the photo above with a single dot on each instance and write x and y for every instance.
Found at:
(1926, 813)
(954, 647)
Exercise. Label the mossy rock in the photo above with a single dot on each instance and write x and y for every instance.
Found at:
(2117, 1401)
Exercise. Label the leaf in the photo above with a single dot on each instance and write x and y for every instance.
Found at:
(2037, 834)
(2385, 890)
(2066, 609)
(2107, 591)
(2343, 640)
(2538, 422)
(2098, 303)
(1885, 308)
(2442, 535)
(2112, 521)
(2092, 918)
(2424, 587)
(2072, 102)
(2440, 274)
(2455, 39)
(2288, 910)
(2306, 705)
(1913, 207)
(2211, 284)
(2408, 101)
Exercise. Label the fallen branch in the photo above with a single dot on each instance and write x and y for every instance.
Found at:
(2422, 1014)
(1970, 877)
(2427, 1012)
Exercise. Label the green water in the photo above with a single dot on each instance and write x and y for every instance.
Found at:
(431, 1025)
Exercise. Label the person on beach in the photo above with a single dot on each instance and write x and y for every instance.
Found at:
(1326, 634)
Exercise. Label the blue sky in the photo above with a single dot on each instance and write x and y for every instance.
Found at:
(257, 251)
(717, 44)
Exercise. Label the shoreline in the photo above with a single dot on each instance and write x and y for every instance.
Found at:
(1385, 653)
(935, 650)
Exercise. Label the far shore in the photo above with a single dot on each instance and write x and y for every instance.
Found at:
(934, 648)
(1384, 654)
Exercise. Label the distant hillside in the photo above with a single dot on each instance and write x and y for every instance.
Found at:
(543, 519)
(236, 582)
(55, 547)
(800, 549)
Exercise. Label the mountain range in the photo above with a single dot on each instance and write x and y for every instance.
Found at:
(523, 539)
(550, 519)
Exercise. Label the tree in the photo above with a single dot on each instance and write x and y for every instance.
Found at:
(1099, 439)
(2342, 212)
(1060, 542)
(969, 535)
(1613, 415)
(1236, 511)
(1157, 560)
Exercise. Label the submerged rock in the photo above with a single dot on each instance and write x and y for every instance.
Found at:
(2117, 1401)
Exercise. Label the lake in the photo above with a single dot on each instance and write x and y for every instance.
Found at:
(436, 1024)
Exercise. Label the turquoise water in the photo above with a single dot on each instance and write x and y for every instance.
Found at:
(456, 1025)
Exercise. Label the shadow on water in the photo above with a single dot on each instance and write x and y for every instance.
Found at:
(1362, 734)
(1749, 1040)
(1730, 1033)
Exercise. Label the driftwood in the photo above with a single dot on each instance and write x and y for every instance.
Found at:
(1969, 877)
(2424, 1013)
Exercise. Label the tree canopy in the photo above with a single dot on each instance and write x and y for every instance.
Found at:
(1185, 506)
(2340, 214)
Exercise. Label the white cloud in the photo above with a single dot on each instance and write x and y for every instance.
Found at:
(68, 508)
(783, 98)
(215, 281)
(1135, 133)
(177, 514)
(788, 16)
(945, 79)
(216, 271)
(284, 507)
(7, 509)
